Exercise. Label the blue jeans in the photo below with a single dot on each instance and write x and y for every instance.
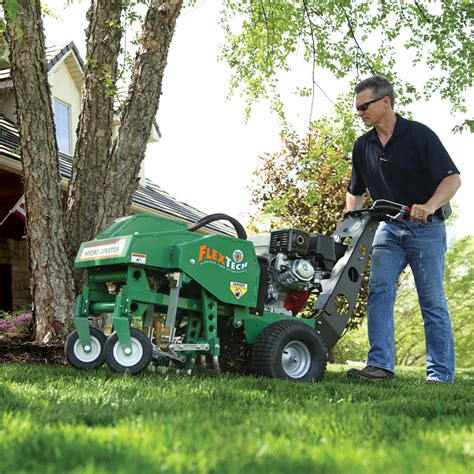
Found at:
(395, 247)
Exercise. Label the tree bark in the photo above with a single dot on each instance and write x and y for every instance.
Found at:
(51, 279)
(104, 177)
(128, 150)
(94, 132)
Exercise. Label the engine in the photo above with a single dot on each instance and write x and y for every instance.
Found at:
(295, 262)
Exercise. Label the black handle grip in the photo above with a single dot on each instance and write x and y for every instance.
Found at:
(406, 214)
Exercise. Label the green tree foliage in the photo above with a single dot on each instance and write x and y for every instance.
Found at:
(304, 186)
(351, 38)
(409, 336)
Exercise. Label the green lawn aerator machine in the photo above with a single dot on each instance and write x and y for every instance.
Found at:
(178, 298)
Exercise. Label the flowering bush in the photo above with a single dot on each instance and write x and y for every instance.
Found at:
(15, 323)
(4, 326)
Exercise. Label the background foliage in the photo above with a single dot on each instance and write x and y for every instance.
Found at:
(355, 39)
(304, 186)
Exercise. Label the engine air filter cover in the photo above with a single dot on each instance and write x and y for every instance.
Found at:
(289, 241)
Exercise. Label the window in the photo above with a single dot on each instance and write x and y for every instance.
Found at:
(62, 120)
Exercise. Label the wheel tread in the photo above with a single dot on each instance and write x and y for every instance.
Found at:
(263, 351)
(74, 361)
(140, 365)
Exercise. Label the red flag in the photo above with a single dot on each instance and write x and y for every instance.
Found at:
(20, 208)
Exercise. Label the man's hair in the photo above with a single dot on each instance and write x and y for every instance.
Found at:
(380, 87)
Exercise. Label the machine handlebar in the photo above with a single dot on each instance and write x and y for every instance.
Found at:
(386, 210)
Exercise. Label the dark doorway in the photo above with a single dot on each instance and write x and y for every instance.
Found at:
(5, 287)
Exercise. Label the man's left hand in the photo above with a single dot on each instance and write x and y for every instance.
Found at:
(421, 212)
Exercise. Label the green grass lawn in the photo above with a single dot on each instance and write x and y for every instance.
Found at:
(55, 419)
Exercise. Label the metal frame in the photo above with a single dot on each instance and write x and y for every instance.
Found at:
(346, 278)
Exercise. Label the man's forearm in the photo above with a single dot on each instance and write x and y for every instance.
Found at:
(445, 191)
(353, 202)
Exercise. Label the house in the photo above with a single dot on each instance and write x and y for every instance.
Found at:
(65, 68)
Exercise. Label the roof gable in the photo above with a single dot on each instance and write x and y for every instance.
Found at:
(55, 55)
(69, 55)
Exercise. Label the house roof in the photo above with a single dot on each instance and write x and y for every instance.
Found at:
(54, 54)
(149, 195)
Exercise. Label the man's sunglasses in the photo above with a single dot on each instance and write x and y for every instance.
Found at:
(363, 107)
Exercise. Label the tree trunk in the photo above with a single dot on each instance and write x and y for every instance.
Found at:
(140, 110)
(51, 279)
(94, 133)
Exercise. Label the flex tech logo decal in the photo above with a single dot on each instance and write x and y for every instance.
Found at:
(238, 256)
(238, 289)
(208, 255)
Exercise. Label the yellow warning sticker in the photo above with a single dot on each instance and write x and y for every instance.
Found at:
(238, 289)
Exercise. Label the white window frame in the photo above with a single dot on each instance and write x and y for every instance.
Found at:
(69, 152)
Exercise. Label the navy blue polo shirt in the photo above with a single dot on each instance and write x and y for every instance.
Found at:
(407, 170)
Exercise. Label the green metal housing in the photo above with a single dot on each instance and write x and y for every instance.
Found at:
(150, 267)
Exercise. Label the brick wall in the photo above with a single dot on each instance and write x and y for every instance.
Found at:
(15, 253)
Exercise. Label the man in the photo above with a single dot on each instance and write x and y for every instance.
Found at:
(403, 161)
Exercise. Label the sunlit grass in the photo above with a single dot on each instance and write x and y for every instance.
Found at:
(55, 419)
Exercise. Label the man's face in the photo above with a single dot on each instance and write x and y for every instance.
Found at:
(375, 111)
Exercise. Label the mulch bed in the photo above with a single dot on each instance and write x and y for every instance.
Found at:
(18, 349)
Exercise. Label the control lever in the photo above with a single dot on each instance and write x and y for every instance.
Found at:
(408, 210)
(402, 217)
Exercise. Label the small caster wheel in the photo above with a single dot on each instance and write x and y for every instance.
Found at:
(134, 362)
(85, 358)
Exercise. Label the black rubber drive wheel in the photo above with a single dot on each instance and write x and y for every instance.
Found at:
(289, 350)
(78, 357)
(133, 363)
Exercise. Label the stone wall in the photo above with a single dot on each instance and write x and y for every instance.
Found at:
(15, 253)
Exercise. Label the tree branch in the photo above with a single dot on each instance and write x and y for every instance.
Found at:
(351, 31)
(311, 26)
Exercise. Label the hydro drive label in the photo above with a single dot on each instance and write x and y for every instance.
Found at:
(210, 256)
(103, 249)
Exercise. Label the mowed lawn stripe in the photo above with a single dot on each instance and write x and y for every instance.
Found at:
(55, 419)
